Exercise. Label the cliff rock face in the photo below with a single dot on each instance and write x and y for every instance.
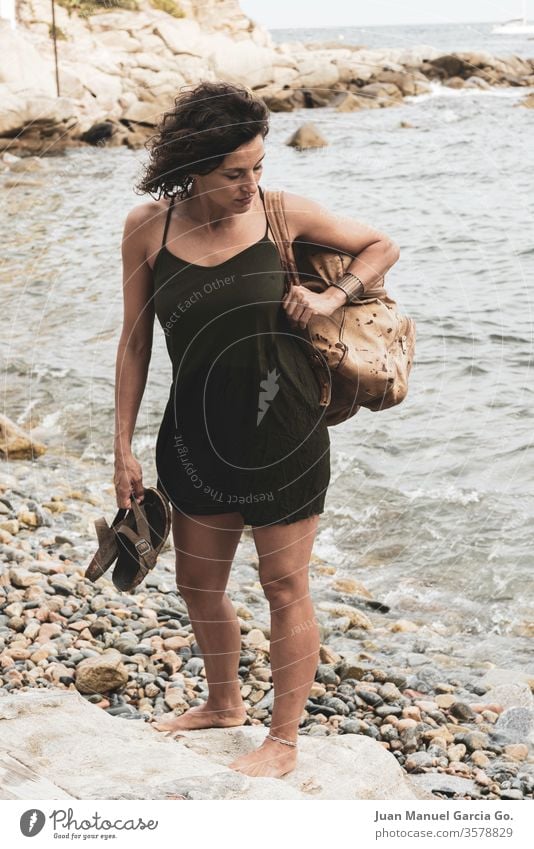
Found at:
(225, 16)
(118, 66)
(212, 16)
(124, 68)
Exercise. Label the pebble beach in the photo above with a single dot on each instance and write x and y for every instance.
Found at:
(134, 655)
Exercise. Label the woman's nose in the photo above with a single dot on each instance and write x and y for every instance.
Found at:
(249, 183)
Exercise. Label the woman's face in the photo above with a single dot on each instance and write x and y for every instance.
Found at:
(233, 184)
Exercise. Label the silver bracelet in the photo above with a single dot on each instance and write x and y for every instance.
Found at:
(279, 740)
(351, 284)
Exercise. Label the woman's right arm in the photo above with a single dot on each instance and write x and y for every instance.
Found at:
(133, 353)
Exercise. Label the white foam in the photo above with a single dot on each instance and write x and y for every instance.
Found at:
(437, 89)
(452, 494)
(50, 421)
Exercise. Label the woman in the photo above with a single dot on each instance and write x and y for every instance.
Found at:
(243, 439)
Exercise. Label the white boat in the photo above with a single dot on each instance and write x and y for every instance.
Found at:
(516, 26)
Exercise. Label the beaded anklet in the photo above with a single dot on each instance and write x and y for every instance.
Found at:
(279, 740)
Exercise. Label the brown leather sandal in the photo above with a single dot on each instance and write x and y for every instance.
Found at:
(143, 530)
(107, 551)
(140, 542)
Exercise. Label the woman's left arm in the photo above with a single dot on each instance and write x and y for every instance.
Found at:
(311, 222)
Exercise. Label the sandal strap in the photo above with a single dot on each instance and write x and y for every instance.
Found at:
(104, 532)
(141, 519)
(107, 550)
(143, 546)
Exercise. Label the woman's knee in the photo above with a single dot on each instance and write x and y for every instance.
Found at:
(285, 586)
(200, 598)
(196, 588)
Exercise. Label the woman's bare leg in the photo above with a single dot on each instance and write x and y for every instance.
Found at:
(284, 554)
(205, 547)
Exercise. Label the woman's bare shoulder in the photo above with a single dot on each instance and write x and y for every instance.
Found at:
(298, 210)
(143, 215)
(142, 228)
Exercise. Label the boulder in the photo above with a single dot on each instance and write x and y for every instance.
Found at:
(516, 65)
(353, 71)
(317, 97)
(16, 443)
(22, 66)
(444, 783)
(517, 687)
(101, 674)
(476, 82)
(242, 62)
(316, 71)
(284, 74)
(181, 36)
(99, 133)
(461, 64)
(356, 617)
(226, 17)
(37, 124)
(387, 94)
(517, 723)
(119, 41)
(414, 56)
(347, 102)
(405, 82)
(145, 113)
(454, 82)
(307, 136)
(104, 88)
(511, 694)
(281, 99)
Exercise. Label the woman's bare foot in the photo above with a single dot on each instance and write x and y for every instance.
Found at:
(202, 716)
(271, 760)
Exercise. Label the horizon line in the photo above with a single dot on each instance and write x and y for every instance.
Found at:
(370, 26)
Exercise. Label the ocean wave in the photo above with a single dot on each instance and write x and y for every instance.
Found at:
(437, 89)
(451, 494)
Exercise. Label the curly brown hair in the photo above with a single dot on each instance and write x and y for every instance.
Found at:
(204, 126)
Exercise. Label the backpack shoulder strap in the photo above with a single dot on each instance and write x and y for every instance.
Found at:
(274, 209)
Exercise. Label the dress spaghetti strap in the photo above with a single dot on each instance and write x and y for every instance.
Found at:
(167, 220)
(265, 211)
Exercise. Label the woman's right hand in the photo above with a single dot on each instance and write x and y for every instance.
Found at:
(128, 478)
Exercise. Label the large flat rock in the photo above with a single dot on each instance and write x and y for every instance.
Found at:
(17, 781)
(72, 748)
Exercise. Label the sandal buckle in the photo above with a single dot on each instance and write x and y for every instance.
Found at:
(143, 546)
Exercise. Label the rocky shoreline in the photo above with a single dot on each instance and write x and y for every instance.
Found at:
(134, 63)
(135, 656)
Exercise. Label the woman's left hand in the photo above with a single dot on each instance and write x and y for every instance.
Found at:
(302, 303)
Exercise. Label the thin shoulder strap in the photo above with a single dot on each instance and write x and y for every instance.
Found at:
(265, 211)
(167, 220)
(279, 229)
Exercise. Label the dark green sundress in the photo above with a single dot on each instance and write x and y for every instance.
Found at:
(243, 430)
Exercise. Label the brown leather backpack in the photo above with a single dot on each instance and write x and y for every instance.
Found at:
(363, 353)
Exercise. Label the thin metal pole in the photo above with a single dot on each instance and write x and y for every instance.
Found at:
(55, 45)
